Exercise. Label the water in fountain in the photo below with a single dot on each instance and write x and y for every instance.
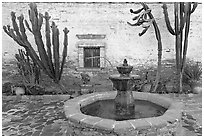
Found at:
(124, 106)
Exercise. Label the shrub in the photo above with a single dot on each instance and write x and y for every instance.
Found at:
(192, 72)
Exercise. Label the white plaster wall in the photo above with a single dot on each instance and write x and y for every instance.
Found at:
(110, 19)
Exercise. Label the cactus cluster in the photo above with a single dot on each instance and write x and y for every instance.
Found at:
(48, 59)
(182, 12)
(145, 18)
(27, 68)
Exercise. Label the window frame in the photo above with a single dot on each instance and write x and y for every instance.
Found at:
(94, 62)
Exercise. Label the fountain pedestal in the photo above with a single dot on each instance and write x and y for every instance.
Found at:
(124, 101)
(124, 104)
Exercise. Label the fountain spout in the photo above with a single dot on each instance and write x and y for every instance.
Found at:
(124, 69)
(125, 62)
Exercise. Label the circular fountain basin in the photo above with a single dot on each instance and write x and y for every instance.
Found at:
(166, 123)
(106, 109)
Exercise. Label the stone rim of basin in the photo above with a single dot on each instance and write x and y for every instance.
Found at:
(74, 114)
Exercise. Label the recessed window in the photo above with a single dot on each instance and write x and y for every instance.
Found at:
(91, 57)
(91, 51)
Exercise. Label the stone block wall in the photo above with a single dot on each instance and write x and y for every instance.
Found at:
(110, 19)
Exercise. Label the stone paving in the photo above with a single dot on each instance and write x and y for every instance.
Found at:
(192, 114)
(44, 116)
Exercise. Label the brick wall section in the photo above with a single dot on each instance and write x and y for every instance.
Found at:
(110, 19)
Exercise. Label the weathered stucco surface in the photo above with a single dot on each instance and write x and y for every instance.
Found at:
(111, 19)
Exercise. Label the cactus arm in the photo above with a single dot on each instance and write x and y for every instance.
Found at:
(55, 42)
(48, 41)
(33, 20)
(187, 27)
(141, 18)
(139, 22)
(28, 60)
(142, 15)
(22, 58)
(182, 6)
(42, 53)
(137, 11)
(33, 15)
(15, 25)
(22, 28)
(182, 23)
(182, 16)
(170, 29)
(144, 31)
(145, 18)
(135, 24)
(176, 18)
(7, 31)
(40, 21)
(157, 32)
(11, 33)
(64, 55)
(57, 55)
(177, 34)
(187, 11)
(36, 59)
(159, 43)
(195, 4)
(156, 28)
(136, 17)
(27, 25)
(16, 37)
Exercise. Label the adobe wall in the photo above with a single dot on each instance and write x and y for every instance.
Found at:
(111, 19)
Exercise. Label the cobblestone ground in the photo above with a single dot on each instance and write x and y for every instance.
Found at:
(192, 114)
(45, 117)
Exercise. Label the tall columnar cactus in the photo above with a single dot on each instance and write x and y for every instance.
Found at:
(145, 18)
(45, 58)
(182, 12)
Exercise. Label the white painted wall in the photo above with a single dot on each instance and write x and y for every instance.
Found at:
(110, 19)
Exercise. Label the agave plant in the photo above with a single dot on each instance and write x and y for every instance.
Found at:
(192, 72)
(192, 76)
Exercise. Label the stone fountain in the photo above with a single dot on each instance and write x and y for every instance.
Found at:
(124, 101)
(124, 112)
